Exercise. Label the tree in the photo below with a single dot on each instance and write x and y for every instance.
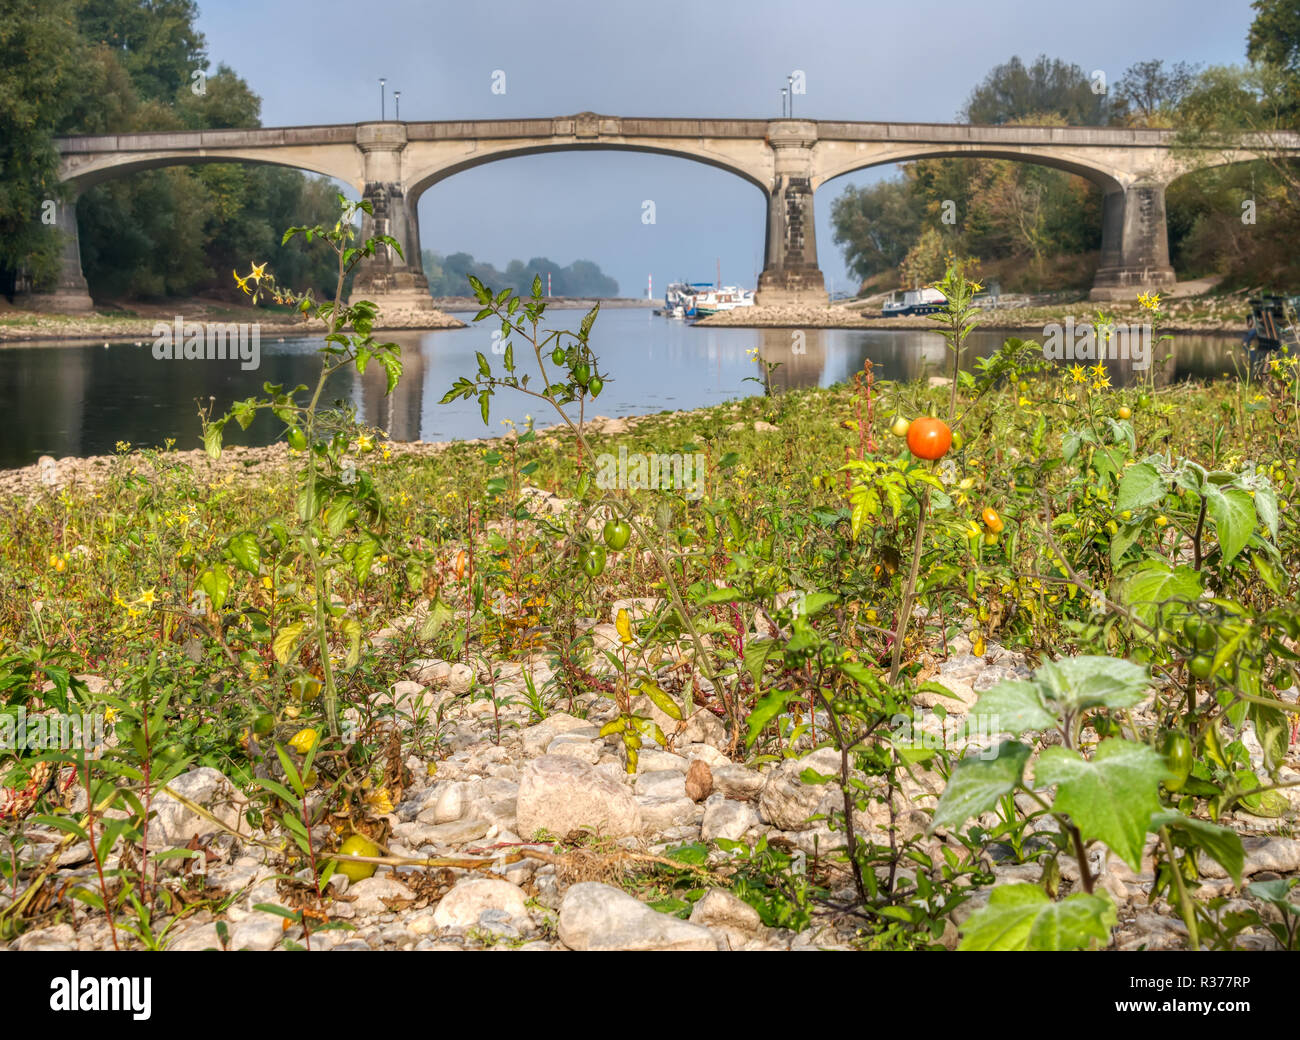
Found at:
(1275, 36)
(1013, 92)
(876, 225)
(41, 61)
(1148, 94)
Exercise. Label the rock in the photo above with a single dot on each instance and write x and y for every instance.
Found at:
(660, 814)
(735, 781)
(59, 937)
(787, 802)
(462, 907)
(373, 895)
(662, 783)
(578, 744)
(560, 794)
(257, 931)
(699, 781)
(962, 701)
(638, 608)
(765, 427)
(429, 671)
(600, 917)
(1280, 855)
(536, 739)
(451, 803)
(460, 679)
(727, 819)
(196, 937)
(456, 832)
(652, 760)
(175, 824)
(729, 914)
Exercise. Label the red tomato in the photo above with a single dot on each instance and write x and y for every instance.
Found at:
(929, 438)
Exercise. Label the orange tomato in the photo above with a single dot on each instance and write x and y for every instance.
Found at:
(992, 521)
(462, 560)
(929, 438)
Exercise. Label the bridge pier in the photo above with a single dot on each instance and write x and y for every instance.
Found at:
(1134, 243)
(395, 283)
(790, 271)
(69, 294)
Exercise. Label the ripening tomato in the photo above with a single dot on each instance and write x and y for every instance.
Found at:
(992, 521)
(462, 559)
(900, 426)
(1125, 412)
(929, 438)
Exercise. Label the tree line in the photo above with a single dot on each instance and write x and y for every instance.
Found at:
(1034, 227)
(449, 276)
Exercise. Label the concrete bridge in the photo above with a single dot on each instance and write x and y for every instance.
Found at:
(392, 164)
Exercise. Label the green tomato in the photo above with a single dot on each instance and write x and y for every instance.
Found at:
(557, 356)
(616, 534)
(593, 561)
(596, 386)
(1201, 667)
(357, 846)
(1177, 750)
(263, 724)
(582, 373)
(297, 439)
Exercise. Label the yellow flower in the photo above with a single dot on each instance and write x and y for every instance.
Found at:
(365, 442)
(147, 597)
(257, 271)
(242, 283)
(1078, 373)
(1099, 368)
(1150, 301)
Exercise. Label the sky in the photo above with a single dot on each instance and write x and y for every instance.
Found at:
(319, 61)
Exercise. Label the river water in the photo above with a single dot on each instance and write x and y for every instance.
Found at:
(82, 399)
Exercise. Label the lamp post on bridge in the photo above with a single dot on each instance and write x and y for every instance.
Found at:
(382, 81)
(789, 81)
(783, 102)
(397, 105)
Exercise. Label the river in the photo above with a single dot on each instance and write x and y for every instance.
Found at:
(79, 399)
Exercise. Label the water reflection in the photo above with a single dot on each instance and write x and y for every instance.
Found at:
(79, 399)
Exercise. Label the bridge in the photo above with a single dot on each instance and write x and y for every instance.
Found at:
(393, 163)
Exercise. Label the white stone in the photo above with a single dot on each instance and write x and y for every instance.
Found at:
(787, 802)
(727, 819)
(560, 794)
(462, 906)
(176, 824)
(600, 917)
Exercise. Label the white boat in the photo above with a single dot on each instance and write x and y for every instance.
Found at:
(913, 301)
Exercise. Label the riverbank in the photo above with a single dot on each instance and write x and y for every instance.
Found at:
(1222, 314)
(137, 322)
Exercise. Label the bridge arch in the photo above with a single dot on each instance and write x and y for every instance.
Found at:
(426, 171)
(830, 166)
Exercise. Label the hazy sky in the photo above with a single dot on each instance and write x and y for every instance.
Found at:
(318, 61)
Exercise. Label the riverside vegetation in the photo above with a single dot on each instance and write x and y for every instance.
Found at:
(1004, 663)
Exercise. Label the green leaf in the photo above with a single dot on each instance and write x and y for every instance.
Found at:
(1141, 486)
(1111, 797)
(1090, 681)
(764, 711)
(364, 559)
(1022, 917)
(976, 784)
(1154, 584)
(1266, 509)
(1017, 706)
(661, 700)
(1221, 844)
(215, 583)
(1233, 513)
(246, 551)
